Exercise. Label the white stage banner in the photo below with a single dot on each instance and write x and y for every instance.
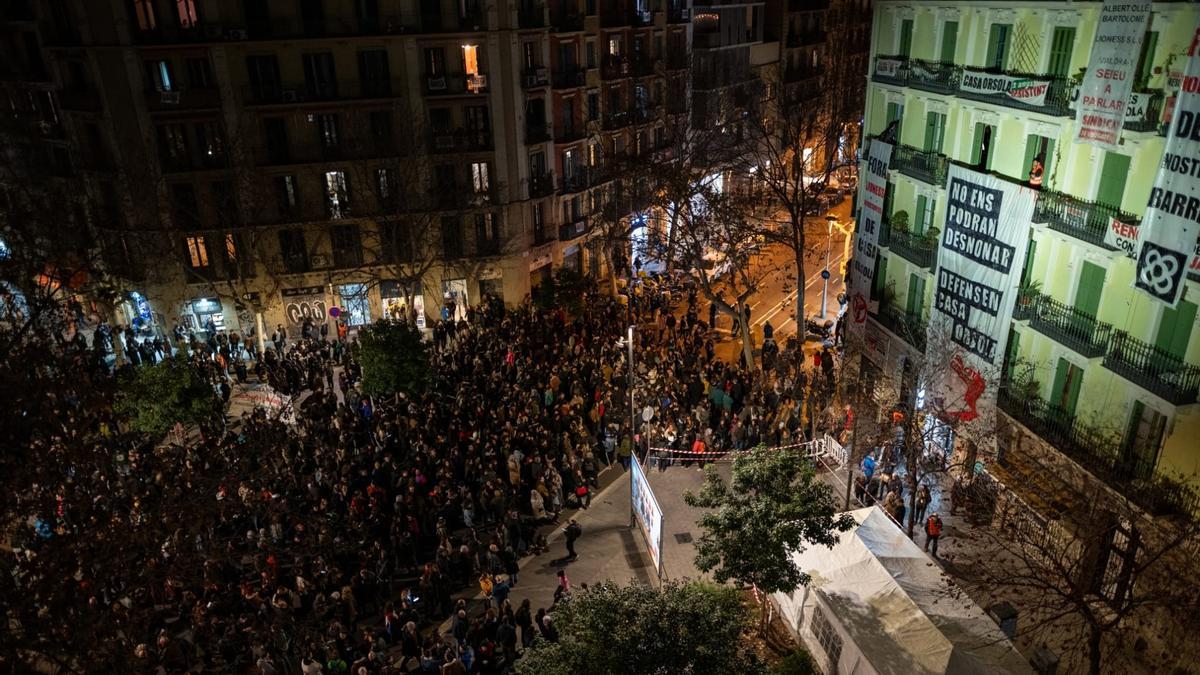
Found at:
(1104, 95)
(866, 236)
(1172, 221)
(979, 265)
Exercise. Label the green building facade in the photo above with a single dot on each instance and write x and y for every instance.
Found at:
(1099, 374)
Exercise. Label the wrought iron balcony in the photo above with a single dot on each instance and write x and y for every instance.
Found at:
(925, 165)
(536, 133)
(1056, 100)
(1064, 324)
(1084, 220)
(1101, 454)
(541, 185)
(935, 76)
(569, 77)
(1153, 369)
(918, 249)
(567, 23)
(891, 74)
(908, 327)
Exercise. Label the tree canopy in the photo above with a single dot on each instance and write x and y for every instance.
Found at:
(692, 627)
(393, 357)
(156, 396)
(772, 507)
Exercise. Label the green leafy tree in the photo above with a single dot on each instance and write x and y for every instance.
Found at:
(693, 627)
(393, 357)
(156, 397)
(772, 507)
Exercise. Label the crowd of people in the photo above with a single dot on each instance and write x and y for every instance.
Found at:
(336, 543)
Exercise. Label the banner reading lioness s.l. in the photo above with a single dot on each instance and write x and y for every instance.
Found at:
(1172, 220)
(866, 236)
(1104, 95)
(983, 247)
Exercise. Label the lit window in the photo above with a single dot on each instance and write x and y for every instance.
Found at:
(230, 248)
(144, 10)
(187, 13)
(470, 59)
(337, 196)
(197, 252)
(479, 176)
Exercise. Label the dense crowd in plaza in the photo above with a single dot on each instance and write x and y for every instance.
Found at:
(338, 541)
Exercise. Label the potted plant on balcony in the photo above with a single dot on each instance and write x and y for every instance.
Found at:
(932, 235)
(1028, 293)
(900, 222)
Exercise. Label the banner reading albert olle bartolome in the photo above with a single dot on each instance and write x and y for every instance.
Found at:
(1108, 81)
(1172, 219)
(979, 264)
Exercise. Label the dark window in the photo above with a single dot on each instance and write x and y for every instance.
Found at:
(199, 73)
(440, 121)
(451, 237)
(396, 245)
(173, 146)
(435, 61)
(225, 202)
(380, 122)
(258, 18)
(184, 208)
(313, 13)
(287, 194)
(293, 251)
(320, 76)
(367, 12)
(487, 235)
(373, 73)
(327, 130)
(347, 246)
(263, 73)
(276, 139)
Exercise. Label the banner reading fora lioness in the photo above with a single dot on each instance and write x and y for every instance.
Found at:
(866, 236)
(982, 251)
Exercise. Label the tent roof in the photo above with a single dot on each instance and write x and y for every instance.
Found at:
(898, 607)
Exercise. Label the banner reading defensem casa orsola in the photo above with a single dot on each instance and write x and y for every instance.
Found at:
(866, 238)
(983, 248)
(1172, 221)
(1104, 95)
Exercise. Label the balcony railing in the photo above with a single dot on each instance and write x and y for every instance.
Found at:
(300, 92)
(924, 165)
(617, 120)
(890, 70)
(81, 99)
(679, 15)
(576, 228)
(908, 327)
(805, 38)
(455, 85)
(1065, 324)
(1084, 220)
(935, 76)
(1103, 455)
(568, 134)
(568, 23)
(541, 185)
(575, 183)
(1046, 94)
(535, 77)
(569, 77)
(536, 133)
(918, 249)
(615, 68)
(460, 141)
(1153, 369)
(185, 99)
(643, 66)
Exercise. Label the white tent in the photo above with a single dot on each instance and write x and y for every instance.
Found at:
(878, 604)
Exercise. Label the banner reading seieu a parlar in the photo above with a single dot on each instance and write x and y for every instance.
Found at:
(1172, 221)
(983, 246)
(866, 237)
(1104, 95)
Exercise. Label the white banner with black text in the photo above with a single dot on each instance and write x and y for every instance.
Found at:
(866, 235)
(1104, 94)
(1172, 221)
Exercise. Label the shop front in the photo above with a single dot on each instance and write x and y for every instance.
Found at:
(139, 315)
(539, 270)
(454, 299)
(395, 303)
(206, 316)
(356, 304)
(573, 258)
(491, 282)
(301, 306)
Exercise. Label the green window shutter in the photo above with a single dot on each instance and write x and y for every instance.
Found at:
(1060, 380)
(906, 29)
(930, 130)
(1112, 179)
(949, 41)
(1032, 143)
(889, 199)
(1145, 67)
(1175, 329)
(1030, 254)
(1046, 166)
(1091, 284)
(918, 226)
(916, 295)
(998, 45)
(1068, 379)
(1010, 351)
(1074, 384)
(880, 278)
(939, 139)
(977, 143)
(1060, 51)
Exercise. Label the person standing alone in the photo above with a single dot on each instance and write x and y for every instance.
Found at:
(572, 530)
(933, 532)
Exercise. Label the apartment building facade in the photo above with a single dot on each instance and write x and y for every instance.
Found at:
(1107, 401)
(287, 150)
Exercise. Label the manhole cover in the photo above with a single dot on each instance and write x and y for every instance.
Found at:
(683, 537)
(635, 560)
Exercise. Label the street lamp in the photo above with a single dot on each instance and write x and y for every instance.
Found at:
(825, 273)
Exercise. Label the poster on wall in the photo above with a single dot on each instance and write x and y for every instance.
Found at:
(301, 304)
(646, 512)
(866, 236)
(982, 250)
(1104, 94)
(1026, 90)
(1172, 221)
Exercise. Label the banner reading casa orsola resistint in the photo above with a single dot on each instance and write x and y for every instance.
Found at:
(866, 237)
(982, 250)
(1172, 221)
(1104, 95)
(1028, 90)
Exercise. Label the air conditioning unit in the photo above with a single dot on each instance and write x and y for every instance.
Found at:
(685, 14)
(476, 83)
(543, 74)
(320, 260)
(169, 97)
(237, 34)
(290, 95)
(443, 142)
(437, 84)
